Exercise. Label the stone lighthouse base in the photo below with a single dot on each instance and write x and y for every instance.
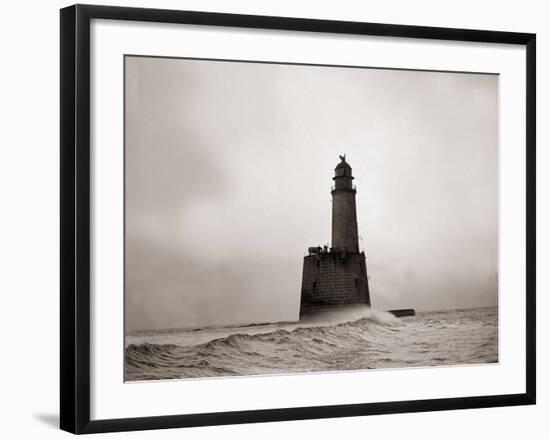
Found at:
(332, 278)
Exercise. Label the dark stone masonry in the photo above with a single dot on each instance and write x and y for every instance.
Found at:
(337, 275)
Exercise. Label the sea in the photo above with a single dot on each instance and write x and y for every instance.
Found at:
(340, 340)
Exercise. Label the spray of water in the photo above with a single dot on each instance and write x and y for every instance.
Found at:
(348, 313)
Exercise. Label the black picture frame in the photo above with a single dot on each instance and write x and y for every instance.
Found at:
(75, 217)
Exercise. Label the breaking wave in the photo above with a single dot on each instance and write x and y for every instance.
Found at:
(374, 340)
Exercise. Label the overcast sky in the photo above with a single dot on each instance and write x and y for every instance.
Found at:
(228, 174)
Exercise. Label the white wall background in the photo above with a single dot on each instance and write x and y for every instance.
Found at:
(29, 250)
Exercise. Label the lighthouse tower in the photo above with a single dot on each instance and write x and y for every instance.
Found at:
(344, 214)
(337, 275)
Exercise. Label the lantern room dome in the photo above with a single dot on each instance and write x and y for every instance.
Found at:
(343, 169)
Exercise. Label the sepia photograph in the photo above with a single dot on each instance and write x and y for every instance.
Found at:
(297, 218)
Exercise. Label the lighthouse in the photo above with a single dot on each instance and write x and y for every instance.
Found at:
(337, 275)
